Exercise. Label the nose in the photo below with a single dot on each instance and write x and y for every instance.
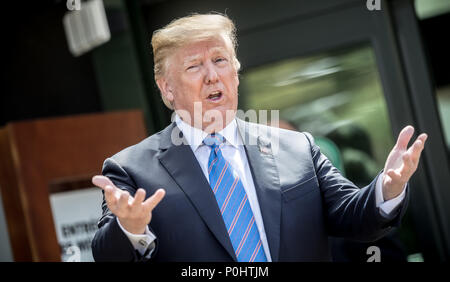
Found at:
(211, 75)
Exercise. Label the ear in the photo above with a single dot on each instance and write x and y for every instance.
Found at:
(165, 88)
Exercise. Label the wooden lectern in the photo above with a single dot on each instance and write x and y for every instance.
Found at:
(40, 156)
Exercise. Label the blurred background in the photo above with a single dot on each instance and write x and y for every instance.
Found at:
(350, 72)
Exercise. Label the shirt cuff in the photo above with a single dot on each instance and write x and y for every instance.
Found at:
(143, 243)
(386, 207)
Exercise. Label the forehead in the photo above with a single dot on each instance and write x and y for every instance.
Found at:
(195, 50)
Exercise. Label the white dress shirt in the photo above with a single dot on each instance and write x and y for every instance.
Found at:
(234, 152)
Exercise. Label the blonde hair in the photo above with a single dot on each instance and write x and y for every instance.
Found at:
(189, 29)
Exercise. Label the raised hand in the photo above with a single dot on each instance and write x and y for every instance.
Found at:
(402, 162)
(133, 212)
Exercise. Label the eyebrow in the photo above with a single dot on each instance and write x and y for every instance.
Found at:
(213, 51)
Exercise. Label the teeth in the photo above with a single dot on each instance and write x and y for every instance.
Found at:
(214, 94)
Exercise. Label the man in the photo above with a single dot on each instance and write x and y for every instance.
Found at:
(231, 191)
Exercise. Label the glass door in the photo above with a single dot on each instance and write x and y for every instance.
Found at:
(337, 96)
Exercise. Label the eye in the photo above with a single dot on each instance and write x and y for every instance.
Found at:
(192, 67)
(219, 60)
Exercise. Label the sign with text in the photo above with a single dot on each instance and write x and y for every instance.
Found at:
(75, 214)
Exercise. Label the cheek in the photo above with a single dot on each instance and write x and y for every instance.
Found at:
(235, 85)
(234, 80)
(191, 86)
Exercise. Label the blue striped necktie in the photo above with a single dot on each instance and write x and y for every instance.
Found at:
(233, 204)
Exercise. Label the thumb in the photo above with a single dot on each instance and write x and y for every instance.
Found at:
(154, 200)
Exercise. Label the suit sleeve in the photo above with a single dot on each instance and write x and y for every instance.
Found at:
(110, 243)
(351, 212)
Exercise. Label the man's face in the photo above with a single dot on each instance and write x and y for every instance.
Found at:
(202, 73)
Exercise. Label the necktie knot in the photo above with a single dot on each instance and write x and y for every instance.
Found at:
(213, 140)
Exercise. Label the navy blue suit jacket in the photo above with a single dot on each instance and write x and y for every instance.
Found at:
(303, 200)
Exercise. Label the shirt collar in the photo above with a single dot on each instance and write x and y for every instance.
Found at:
(195, 136)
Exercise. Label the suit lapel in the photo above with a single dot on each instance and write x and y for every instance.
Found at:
(181, 164)
(266, 180)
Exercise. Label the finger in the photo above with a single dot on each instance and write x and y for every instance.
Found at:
(394, 175)
(138, 198)
(154, 200)
(407, 167)
(101, 181)
(404, 137)
(110, 197)
(104, 182)
(415, 150)
(124, 199)
(417, 147)
(390, 173)
(423, 137)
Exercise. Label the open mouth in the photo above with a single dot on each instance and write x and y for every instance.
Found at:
(215, 96)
